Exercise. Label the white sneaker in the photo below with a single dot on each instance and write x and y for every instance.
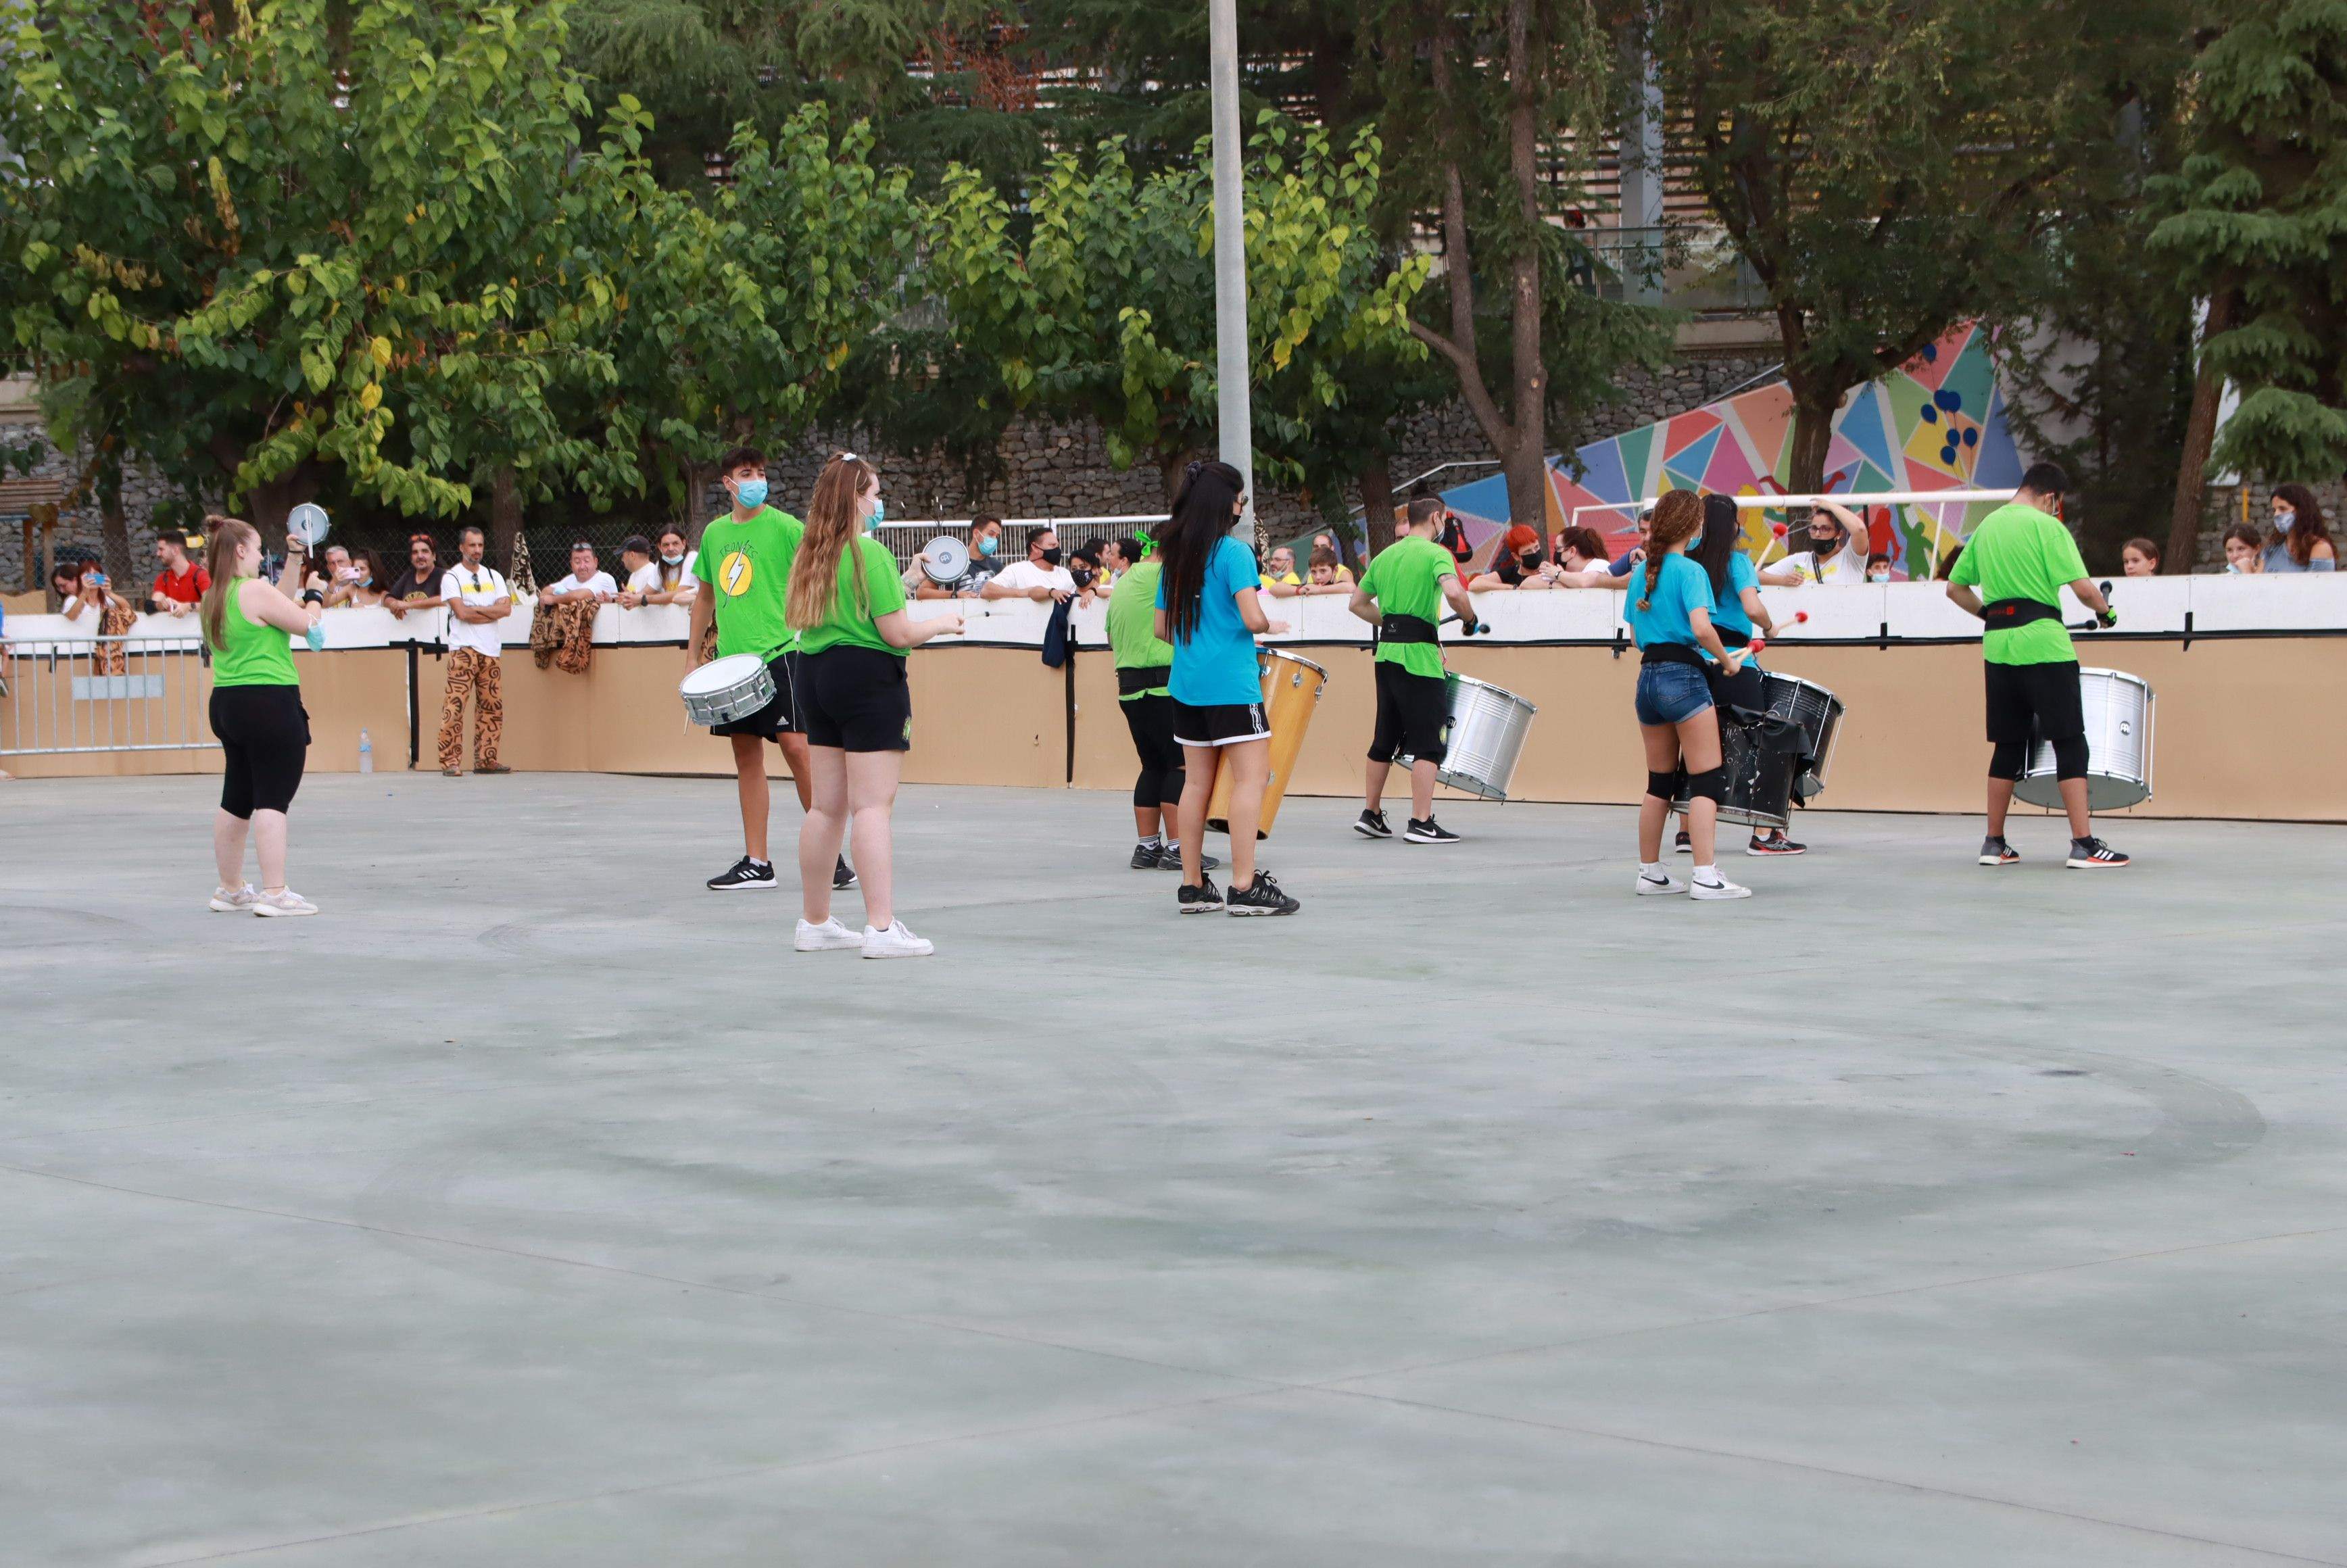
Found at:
(1654, 884)
(895, 942)
(234, 901)
(1721, 888)
(282, 903)
(831, 936)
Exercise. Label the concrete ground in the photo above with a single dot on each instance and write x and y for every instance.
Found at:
(533, 1206)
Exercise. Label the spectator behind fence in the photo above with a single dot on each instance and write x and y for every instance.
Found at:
(985, 562)
(1116, 559)
(417, 588)
(1620, 565)
(181, 582)
(1279, 574)
(2300, 540)
(345, 578)
(587, 582)
(2139, 557)
(478, 603)
(1335, 553)
(1327, 574)
(2244, 550)
(1877, 568)
(1516, 564)
(1039, 576)
(96, 611)
(642, 578)
(1084, 568)
(1834, 549)
(1580, 552)
(678, 583)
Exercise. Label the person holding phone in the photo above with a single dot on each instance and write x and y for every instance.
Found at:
(256, 710)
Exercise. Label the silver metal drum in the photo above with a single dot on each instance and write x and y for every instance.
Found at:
(1488, 726)
(727, 689)
(1816, 713)
(2118, 709)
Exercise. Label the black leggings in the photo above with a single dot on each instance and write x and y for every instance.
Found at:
(264, 735)
(1151, 720)
(2008, 760)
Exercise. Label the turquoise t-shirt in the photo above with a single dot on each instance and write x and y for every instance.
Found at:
(1680, 588)
(1728, 613)
(1215, 665)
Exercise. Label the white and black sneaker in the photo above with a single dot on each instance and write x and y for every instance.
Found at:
(1654, 882)
(1683, 843)
(745, 873)
(1707, 883)
(1148, 856)
(1202, 899)
(1372, 825)
(1261, 896)
(843, 876)
(1428, 832)
(1170, 859)
(2092, 854)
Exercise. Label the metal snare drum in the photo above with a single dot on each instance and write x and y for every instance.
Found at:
(2119, 711)
(1816, 713)
(727, 689)
(1486, 735)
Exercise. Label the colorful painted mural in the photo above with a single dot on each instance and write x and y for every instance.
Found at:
(1937, 423)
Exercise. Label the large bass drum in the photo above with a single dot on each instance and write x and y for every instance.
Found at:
(1816, 713)
(2118, 709)
(1291, 691)
(1484, 737)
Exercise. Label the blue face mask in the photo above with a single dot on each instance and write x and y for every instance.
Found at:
(2284, 518)
(750, 494)
(989, 545)
(879, 511)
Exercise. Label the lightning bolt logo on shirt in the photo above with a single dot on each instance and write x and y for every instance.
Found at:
(733, 574)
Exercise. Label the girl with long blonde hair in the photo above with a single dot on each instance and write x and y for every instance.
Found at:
(847, 605)
(256, 710)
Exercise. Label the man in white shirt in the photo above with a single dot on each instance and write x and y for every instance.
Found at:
(1039, 576)
(478, 603)
(1837, 548)
(588, 579)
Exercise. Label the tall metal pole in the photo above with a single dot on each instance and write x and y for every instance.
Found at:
(1232, 412)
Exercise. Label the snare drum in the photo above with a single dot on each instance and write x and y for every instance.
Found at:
(1484, 737)
(1291, 691)
(2119, 710)
(727, 689)
(1816, 713)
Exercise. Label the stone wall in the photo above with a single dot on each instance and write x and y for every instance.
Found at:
(80, 527)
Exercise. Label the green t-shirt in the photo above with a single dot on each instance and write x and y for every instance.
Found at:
(2019, 552)
(855, 624)
(748, 566)
(250, 654)
(1407, 579)
(1132, 625)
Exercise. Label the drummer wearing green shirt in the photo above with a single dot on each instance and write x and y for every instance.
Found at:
(847, 605)
(1144, 663)
(2012, 573)
(1402, 594)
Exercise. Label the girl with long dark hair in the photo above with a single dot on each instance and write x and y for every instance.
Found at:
(256, 710)
(1208, 609)
(847, 605)
(2300, 539)
(1736, 611)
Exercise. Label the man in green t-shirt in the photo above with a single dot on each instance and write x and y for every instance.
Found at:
(2013, 571)
(1402, 594)
(1144, 662)
(745, 583)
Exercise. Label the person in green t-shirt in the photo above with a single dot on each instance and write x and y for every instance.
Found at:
(256, 712)
(745, 575)
(1144, 662)
(846, 603)
(1402, 594)
(2012, 573)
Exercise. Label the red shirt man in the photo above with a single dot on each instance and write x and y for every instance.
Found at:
(182, 582)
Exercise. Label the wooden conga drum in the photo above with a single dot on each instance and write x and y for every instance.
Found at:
(1291, 690)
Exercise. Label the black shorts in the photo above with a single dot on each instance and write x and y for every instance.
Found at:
(1412, 713)
(1220, 723)
(779, 717)
(2034, 702)
(264, 736)
(855, 699)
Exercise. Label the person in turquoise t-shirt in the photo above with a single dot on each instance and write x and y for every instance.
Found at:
(847, 604)
(1208, 608)
(2018, 560)
(1402, 594)
(1736, 612)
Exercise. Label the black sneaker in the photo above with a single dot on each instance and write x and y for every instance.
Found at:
(1683, 843)
(1170, 859)
(1148, 856)
(1428, 832)
(1202, 899)
(1774, 841)
(745, 873)
(1372, 825)
(1261, 896)
(1997, 852)
(2093, 854)
(843, 876)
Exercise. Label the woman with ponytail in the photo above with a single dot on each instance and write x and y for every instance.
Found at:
(1669, 611)
(847, 605)
(1208, 609)
(257, 712)
(1736, 611)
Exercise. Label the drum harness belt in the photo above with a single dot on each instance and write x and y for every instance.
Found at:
(2004, 614)
(1673, 654)
(1142, 677)
(1407, 629)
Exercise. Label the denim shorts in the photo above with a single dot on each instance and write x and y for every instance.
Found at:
(1670, 693)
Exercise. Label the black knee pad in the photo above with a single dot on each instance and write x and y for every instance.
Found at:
(2070, 758)
(1711, 785)
(1663, 786)
(2008, 760)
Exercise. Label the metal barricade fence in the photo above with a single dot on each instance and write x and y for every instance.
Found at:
(105, 694)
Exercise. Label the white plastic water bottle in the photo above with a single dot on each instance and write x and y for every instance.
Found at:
(366, 753)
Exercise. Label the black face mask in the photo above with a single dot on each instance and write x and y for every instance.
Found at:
(1083, 575)
(1529, 562)
(1052, 556)
(1825, 544)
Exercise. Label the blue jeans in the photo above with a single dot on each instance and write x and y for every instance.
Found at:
(1671, 693)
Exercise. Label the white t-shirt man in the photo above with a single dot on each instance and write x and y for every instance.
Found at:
(482, 587)
(601, 583)
(1023, 575)
(645, 578)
